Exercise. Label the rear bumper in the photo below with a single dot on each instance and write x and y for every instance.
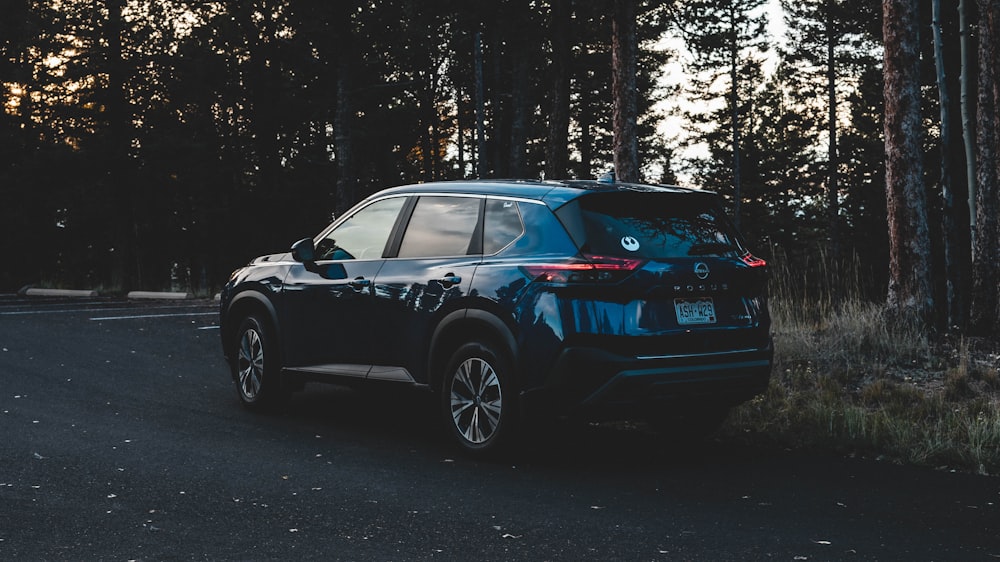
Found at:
(600, 384)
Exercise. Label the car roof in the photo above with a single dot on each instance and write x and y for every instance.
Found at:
(554, 193)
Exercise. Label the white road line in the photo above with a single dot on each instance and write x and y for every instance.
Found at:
(68, 311)
(155, 316)
(77, 310)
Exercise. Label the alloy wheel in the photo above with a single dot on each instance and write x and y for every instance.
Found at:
(250, 364)
(476, 400)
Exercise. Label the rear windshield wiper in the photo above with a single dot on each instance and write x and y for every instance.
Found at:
(711, 248)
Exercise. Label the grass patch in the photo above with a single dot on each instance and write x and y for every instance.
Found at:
(849, 379)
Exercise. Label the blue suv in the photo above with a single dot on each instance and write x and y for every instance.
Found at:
(510, 299)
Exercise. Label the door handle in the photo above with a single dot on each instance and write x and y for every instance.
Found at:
(360, 283)
(449, 280)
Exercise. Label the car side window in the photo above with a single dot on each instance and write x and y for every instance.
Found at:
(503, 225)
(364, 234)
(441, 226)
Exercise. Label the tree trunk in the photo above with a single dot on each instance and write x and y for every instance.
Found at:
(586, 144)
(343, 115)
(734, 116)
(499, 115)
(952, 240)
(519, 117)
(557, 147)
(832, 189)
(983, 317)
(460, 128)
(429, 130)
(127, 260)
(343, 139)
(482, 170)
(435, 118)
(624, 63)
(968, 128)
(909, 294)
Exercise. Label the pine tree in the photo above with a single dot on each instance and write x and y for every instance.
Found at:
(727, 39)
(827, 49)
(985, 312)
(953, 189)
(624, 63)
(557, 145)
(910, 294)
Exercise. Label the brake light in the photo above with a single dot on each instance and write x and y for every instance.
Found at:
(752, 260)
(598, 269)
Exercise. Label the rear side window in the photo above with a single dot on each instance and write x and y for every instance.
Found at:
(649, 225)
(503, 225)
(441, 226)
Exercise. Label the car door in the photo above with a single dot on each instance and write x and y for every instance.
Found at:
(432, 267)
(327, 303)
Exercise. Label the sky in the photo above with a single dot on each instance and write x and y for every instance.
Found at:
(673, 125)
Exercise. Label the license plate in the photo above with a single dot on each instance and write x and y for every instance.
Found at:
(699, 311)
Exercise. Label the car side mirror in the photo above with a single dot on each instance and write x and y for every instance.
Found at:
(304, 251)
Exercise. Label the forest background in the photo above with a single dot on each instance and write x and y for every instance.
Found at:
(155, 145)
(150, 145)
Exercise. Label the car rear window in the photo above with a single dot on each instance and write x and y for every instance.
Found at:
(649, 225)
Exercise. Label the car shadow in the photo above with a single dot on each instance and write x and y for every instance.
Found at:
(409, 419)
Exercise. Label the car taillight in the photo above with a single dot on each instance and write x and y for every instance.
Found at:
(598, 269)
(752, 260)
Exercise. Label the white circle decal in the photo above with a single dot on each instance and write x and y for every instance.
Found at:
(630, 243)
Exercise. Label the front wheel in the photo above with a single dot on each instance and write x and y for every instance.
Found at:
(257, 368)
(479, 400)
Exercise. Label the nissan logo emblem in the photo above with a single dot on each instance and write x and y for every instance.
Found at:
(701, 270)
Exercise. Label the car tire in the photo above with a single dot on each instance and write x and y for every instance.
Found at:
(257, 367)
(479, 399)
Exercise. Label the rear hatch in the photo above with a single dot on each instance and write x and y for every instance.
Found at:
(678, 275)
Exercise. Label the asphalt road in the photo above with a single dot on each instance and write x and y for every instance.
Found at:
(121, 438)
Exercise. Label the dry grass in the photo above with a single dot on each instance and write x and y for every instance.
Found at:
(848, 378)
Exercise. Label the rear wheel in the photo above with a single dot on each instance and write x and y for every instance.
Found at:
(478, 399)
(257, 368)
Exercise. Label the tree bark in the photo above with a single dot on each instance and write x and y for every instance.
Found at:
(734, 116)
(952, 240)
(557, 147)
(343, 138)
(482, 170)
(624, 64)
(427, 137)
(909, 294)
(984, 317)
(968, 127)
(519, 113)
(832, 189)
(499, 107)
(127, 262)
(460, 128)
(585, 145)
